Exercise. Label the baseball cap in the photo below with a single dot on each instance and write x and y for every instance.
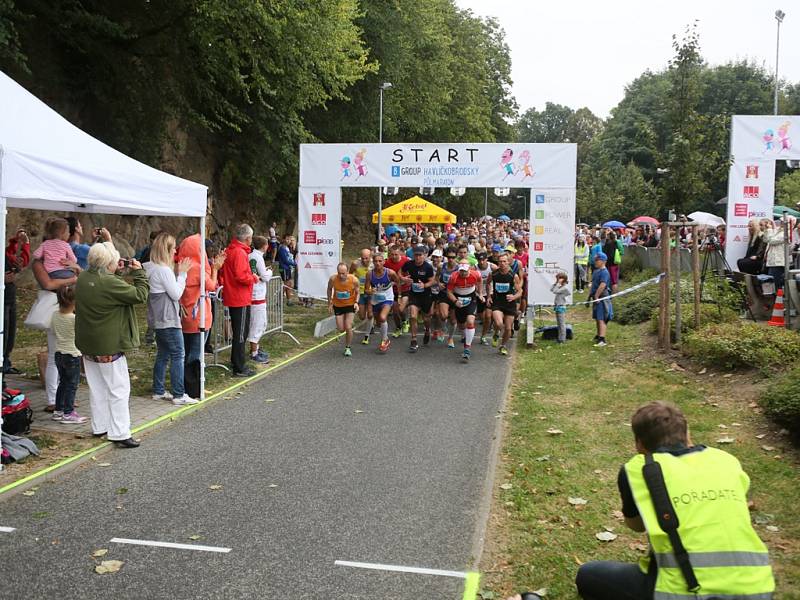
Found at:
(481, 255)
(420, 249)
(601, 256)
(437, 252)
(451, 236)
(464, 266)
(497, 248)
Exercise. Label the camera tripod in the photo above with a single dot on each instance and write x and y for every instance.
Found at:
(712, 249)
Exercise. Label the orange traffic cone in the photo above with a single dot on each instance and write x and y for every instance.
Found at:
(777, 311)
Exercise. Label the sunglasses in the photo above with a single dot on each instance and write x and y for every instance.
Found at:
(451, 256)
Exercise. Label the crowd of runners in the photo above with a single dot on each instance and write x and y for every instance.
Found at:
(450, 283)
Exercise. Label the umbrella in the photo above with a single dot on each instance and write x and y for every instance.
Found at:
(503, 218)
(614, 225)
(643, 220)
(777, 211)
(390, 229)
(707, 219)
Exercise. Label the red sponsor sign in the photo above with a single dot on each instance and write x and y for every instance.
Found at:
(751, 191)
(318, 219)
(310, 237)
(740, 210)
(319, 199)
(538, 246)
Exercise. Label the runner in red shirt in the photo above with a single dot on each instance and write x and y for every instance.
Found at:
(463, 289)
(397, 259)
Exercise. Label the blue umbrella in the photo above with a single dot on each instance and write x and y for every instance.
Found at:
(614, 225)
(390, 229)
(503, 218)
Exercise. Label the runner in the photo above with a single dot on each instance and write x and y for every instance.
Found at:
(343, 301)
(448, 321)
(485, 268)
(463, 289)
(463, 253)
(507, 289)
(379, 286)
(420, 275)
(397, 259)
(436, 288)
(361, 268)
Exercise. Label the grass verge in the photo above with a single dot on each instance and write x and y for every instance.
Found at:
(536, 537)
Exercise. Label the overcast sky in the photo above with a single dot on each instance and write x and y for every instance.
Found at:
(584, 53)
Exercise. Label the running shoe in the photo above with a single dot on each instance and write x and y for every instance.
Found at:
(73, 418)
(58, 415)
(384, 346)
(347, 351)
(601, 344)
(406, 326)
(259, 358)
(365, 341)
(466, 355)
(503, 350)
(484, 340)
(413, 347)
(184, 400)
(164, 396)
(451, 343)
(397, 332)
(427, 337)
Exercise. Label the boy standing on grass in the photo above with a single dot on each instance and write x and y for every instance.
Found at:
(560, 290)
(68, 357)
(602, 311)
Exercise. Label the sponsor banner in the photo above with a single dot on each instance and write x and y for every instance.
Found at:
(551, 251)
(438, 165)
(319, 226)
(765, 137)
(751, 194)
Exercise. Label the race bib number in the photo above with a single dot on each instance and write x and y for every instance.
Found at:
(445, 277)
(462, 302)
(417, 286)
(502, 288)
(362, 280)
(342, 295)
(378, 298)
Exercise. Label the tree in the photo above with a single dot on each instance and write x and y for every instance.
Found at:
(788, 189)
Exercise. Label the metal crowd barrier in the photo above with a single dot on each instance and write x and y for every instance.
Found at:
(221, 335)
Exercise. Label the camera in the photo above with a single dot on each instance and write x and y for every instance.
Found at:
(125, 263)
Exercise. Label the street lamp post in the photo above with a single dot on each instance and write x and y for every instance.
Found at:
(384, 86)
(524, 206)
(779, 15)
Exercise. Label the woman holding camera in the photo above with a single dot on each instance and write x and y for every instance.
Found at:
(105, 329)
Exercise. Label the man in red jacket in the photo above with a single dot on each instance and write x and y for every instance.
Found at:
(18, 255)
(238, 280)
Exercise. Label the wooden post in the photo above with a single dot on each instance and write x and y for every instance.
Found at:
(678, 312)
(696, 276)
(663, 305)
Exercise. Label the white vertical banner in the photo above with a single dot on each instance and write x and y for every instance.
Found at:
(319, 225)
(751, 194)
(551, 251)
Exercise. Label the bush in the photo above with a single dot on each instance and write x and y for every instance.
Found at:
(709, 313)
(781, 400)
(747, 345)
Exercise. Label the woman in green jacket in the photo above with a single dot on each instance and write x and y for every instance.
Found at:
(105, 329)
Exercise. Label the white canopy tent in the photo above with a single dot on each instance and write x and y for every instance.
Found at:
(47, 163)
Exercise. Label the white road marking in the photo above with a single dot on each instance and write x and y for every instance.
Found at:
(400, 569)
(170, 545)
(7, 529)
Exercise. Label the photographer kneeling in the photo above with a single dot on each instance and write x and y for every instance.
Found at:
(701, 495)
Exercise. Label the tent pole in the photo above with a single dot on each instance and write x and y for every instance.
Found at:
(202, 328)
(3, 212)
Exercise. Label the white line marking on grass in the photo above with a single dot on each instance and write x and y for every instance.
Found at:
(400, 569)
(7, 529)
(170, 545)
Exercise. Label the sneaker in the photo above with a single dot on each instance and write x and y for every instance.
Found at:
(427, 337)
(57, 415)
(347, 351)
(73, 417)
(413, 347)
(365, 341)
(183, 400)
(495, 340)
(384, 346)
(601, 344)
(397, 332)
(451, 343)
(243, 374)
(259, 358)
(466, 355)
(406, 326)
(484, 341)
(164, 396)
(503, 350)
(263, 353)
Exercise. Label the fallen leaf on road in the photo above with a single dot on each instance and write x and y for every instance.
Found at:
(761, 436)
(104, 464)
(358, 412)
(215, 487)
(506, 486)
(772, 528)
(598, 471)
(537, 393)
(768, 448)
(108, 566)
(676, 367)
(606, 536)
(270, 400)
(554, 431)
(753, 405)
(29, 493)
(544, 458)
(576, 501)
(122, 491)
(194, 537)
(100, 552)
(607, 412)
(638, 546)
(273, 485)
(721, 426)
(702, 371)
(736, 424)
(726, 440)
(617, 514)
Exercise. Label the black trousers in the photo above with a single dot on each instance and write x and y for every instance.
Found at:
(748, 265)
(240, 325)
(9, 323)
(607, 580)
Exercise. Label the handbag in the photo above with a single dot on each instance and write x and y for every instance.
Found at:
(41, 313)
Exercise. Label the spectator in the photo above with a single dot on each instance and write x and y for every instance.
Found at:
(68, 358)
(237, 295)
(143, 255)
(258, 307)
(273, 242)
(705, 495)
(581, 262)
(80, 249)
(55, 252)
(105, 329)
(163, 318)
(611, 250)
(602, 311)
(286, 266)
(18, 255)
(775, 258)
(753, 260)
(190, 300)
